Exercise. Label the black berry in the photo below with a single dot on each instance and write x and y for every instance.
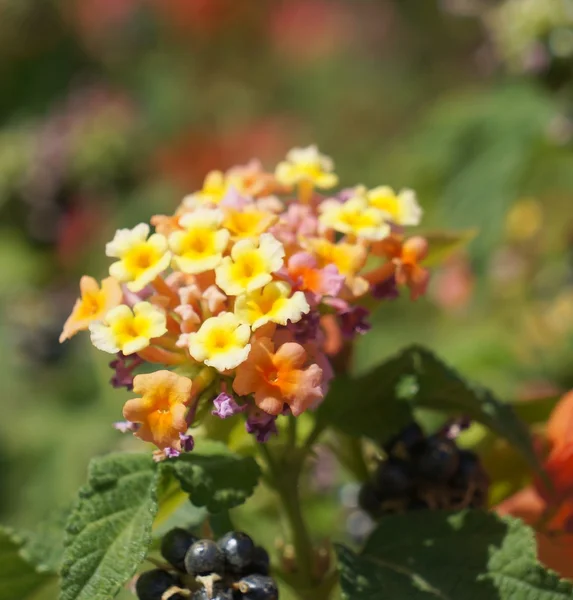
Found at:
(219, 593)
(175, 545)
(406, 441)
(368, 499)
(151, 585)
(393, 479)
(439, 460)
(260, 562)
(238, 549)
(258, 587)
(203, 558)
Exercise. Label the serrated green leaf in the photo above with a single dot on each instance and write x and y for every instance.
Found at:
(380, 402)
(217, 481)
(450, 556)
(109, 530)
(19, 578)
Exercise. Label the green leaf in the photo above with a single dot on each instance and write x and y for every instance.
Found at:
(19, 577)
(44, 546)
(379, 403)
(109, 530)
(442, 244)
(537, 410)
(449, 556)
(368, 405)
(216, 481)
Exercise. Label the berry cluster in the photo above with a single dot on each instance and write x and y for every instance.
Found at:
(233, 568)
(424, 472)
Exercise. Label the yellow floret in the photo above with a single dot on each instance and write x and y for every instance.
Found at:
(222, 342)
(127, 330)
(248, 223)
(273, 303)
(348, 258)
(354, 217)
(201, 245)
(141, 259)
(307, 165)
(250, 265)
(402, 208)
(215, 186)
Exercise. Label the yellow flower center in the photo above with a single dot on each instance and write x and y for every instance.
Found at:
(310, 170)
(91, 305)
(140, 257)
(198, 242)
(245, 224)
(131, 328)
(220, 341)
(389, 204)
(356, 220)
(249, 265)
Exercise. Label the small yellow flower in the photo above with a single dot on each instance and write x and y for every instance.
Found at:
(127, 330)
(141, 259)
(215, 186)
(221, 342)
(348, 258)
(273, 303)
(402, 208)
(250, 265)
(307, 165)
(93, 304)
(248, 222)
(162, 408)
(200, 246)
(354, 217)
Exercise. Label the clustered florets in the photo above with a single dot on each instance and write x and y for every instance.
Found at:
(245, 292)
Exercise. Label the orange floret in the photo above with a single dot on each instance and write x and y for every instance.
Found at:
(278, 378)
(92, 305)
(161, 410)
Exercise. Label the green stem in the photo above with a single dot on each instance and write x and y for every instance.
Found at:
(284, 478)
(292, 428)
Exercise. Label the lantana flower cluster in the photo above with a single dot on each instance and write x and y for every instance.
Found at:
(241, 298)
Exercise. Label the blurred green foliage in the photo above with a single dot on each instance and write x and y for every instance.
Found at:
(111, 110)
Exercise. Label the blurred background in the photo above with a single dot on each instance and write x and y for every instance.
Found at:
(112, 110)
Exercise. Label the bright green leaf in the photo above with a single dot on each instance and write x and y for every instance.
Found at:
(450, 556)
(109, 530)
(19, 577)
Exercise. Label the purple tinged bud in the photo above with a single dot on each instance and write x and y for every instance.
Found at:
(225, 406)
(261, 425)
(187, 442)
(307, 329)
(353, 322)
(124, 367)
(386, 290)
(171, 453)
